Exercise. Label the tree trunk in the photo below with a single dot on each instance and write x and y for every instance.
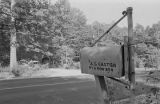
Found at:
(13, 54)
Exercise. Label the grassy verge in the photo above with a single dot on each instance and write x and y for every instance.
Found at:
(142, 94)
(20, 70)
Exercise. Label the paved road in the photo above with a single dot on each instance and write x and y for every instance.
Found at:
(48, 91)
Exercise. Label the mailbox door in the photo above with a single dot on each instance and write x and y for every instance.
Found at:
(102, 61)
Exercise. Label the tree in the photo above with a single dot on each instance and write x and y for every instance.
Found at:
(45, 29)
(147, 47)
(32, 27)
(4, 32)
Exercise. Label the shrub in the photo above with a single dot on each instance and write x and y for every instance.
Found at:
(20, 69)
(40, 67)
(45, 66)
(27, 69)
(66, 66)
(75, 65)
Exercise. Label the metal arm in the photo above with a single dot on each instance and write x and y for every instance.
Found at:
(76, 58)
(124, 15)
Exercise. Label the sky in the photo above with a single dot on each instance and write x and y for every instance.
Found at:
(145, 12)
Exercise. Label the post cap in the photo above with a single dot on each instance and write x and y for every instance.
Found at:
(129, 9)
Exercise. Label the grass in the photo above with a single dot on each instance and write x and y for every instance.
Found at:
(21, 70)
(146, 92)
(4, 69)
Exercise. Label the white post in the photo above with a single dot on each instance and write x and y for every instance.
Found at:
(13, 53)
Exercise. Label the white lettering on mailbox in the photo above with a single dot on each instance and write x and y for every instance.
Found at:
(101, 66)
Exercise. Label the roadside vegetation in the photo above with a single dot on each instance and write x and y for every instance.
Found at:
(55, 32)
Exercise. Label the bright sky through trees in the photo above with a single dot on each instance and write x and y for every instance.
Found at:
(145, 12)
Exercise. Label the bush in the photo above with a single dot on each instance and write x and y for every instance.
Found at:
(66, 66)
(40, 67)
(27, 69)
(19, 70)
(75, 65)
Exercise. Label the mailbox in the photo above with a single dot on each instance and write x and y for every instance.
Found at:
(102, 61)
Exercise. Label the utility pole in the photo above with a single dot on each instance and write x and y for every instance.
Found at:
(13, 40)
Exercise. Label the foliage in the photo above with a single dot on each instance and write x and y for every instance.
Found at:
(46, 29)
(4, 69)
(4, 33)
(19, 70)
(148, 48)
(28, 68)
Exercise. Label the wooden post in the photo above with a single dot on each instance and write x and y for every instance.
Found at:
(131, 48)
(103, 91)
(126, 57)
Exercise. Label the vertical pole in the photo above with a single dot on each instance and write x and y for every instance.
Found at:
(13, 53)
(131, 48)
(126, 56)
(103, 91)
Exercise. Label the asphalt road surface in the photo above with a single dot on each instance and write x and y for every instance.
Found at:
(49, 91)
